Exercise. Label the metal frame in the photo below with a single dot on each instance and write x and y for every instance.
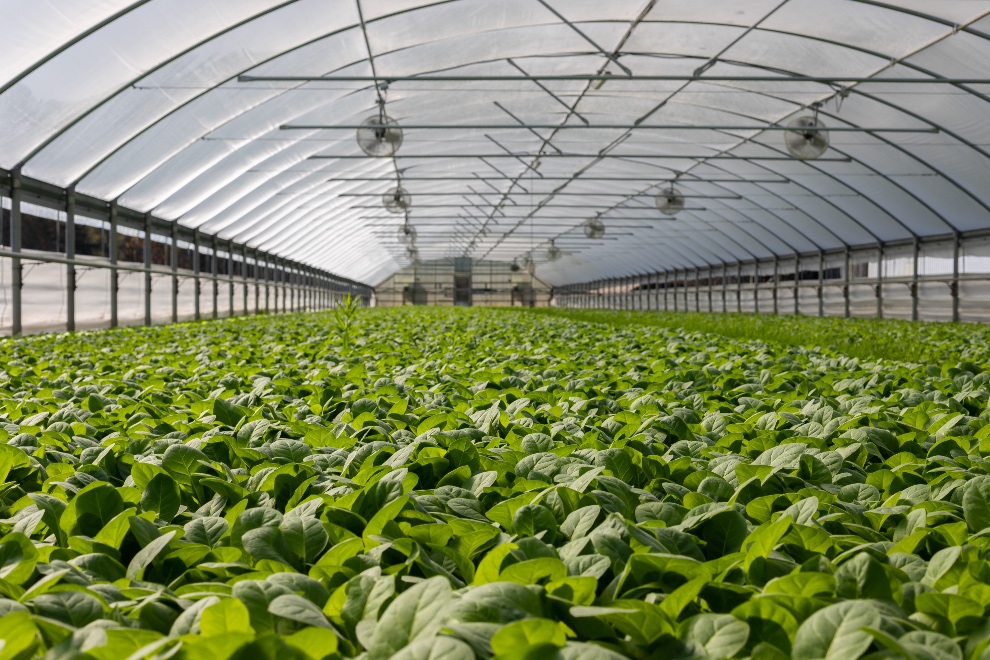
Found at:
(677, 279)
(22, 189)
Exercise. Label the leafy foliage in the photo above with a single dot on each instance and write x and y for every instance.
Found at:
(465, 484)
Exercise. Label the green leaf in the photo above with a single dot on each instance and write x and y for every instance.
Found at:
(18, 557)
(227, 413)
(316, 643)
(436, 648)
(91, 509)
(976, 503)
(182, 461)
(162, 496)
(715, 635)
(297, 608)
(147, 555)
(415, 614)
(528, 632)
(836, 632)
(227, 616)
(305, 536)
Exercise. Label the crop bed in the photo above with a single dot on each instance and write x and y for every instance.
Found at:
(461, 484)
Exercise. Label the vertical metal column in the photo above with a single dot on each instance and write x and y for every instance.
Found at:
(666, 285)
(797, 285)
(697, 288)
(230, 276)
(739, 287)
(175, 271)
(880, 281)
(266, 272)
(756, 286)
(244, 278)
(216, 280)
(147, 266)
(845, 288)
(70, 256)
(821, 283)
(725, 288)
(711, 287)
(914, 280)
(257, 282)
(956, 244)
(16, 270)
(114, 274)
(196, 280)
(687, 291)
(776, 284)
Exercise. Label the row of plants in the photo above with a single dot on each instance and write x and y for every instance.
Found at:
(466, 484)
(890, 339)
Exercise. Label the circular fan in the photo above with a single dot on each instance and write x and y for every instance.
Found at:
(407, 234)
(594, 228)
(379, 136)
(807, 138)
(515, 268)
(397, 200)
(553, 252)
(670, 201)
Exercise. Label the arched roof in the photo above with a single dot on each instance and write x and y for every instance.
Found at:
(144, 102)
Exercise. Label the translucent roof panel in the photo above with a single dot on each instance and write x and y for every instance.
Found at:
(521, 120)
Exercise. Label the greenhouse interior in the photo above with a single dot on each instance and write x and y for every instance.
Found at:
(495, 329)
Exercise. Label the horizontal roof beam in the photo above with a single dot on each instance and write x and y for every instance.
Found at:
(594, 156)
(559, 194)
(623, 127)
(659, 179)
(827, 80)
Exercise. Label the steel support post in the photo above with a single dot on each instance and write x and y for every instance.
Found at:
(956, 245)
(257, 282)
(797, 284)
(848, 279)
(266, 273)
(70, 256)
(756, 286)
(16, 269)
(174, 254)
(677, 304)
(230, 277)
(147, 265)
(666, 286)
(739, 287)
(725, 288)
(196, 280)
(711, 285)
(697, 288)
(880, 281)
(914, 279)
(244, 279)
(821, 283)
(776, 284)
(114, 274)
(216, 282)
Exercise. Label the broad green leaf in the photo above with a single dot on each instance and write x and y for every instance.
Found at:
(836, 632)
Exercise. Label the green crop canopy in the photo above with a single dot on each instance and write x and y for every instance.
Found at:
(713, 132)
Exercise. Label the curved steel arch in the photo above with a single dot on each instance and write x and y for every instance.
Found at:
(293, 237)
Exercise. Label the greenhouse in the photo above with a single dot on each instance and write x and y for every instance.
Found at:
(495, 329)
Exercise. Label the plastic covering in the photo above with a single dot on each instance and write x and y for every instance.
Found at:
(140, 102)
